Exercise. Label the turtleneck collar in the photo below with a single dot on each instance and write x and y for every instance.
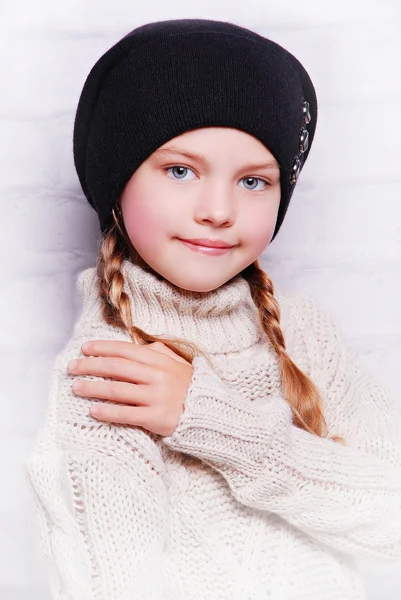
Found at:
(222, 320)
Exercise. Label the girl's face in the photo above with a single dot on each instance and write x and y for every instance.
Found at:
(215, 183)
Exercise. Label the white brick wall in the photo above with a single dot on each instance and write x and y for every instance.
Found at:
(340, 242)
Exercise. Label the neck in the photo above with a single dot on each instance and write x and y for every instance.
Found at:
(221, 320)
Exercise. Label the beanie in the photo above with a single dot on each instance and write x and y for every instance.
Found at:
(168, 77)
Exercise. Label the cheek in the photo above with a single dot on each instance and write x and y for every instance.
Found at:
(262, 234)
(143, 222)
(258, 226)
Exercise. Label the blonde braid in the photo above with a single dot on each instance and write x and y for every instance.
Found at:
(116, 306)
(298, 389)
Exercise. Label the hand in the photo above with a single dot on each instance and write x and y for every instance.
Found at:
(150, 381)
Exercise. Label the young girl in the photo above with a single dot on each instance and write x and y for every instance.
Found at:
(211, 439)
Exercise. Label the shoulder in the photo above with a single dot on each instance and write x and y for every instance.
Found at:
(67, 422)
(90, 323)
(305, 310)
(310, 327)
(87, 292)
(86, 282)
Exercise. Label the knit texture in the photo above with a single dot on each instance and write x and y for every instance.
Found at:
(238, 503)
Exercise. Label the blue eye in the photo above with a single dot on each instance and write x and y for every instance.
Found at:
(180, 170)
(255, 179)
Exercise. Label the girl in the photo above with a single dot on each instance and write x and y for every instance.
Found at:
(237, 449)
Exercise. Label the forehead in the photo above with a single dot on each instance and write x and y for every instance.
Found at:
(207, 143)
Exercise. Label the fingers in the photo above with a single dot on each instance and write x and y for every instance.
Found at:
(123, 415)
(151, 354)
(120, 369)
(128, 350)
(163, 349)
(114, 391)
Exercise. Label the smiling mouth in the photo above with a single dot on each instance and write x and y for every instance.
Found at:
(203, 249)
(208, 243)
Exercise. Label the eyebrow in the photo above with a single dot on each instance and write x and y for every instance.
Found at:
(202, 160)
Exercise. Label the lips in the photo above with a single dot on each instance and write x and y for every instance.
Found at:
(199, 246)
(208, 243)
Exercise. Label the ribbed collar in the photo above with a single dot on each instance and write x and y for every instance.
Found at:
(223, 320)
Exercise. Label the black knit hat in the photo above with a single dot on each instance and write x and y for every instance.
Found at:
(165, 78)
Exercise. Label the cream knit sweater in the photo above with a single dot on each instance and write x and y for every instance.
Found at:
(238, 504)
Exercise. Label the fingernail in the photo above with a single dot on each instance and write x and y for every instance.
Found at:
(72, 364)
(94, 409)
(77, 385)
(86, 346)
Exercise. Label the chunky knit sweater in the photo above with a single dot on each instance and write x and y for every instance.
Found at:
(238, 503)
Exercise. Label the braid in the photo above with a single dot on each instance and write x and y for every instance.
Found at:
(116, 306)
(298, 389)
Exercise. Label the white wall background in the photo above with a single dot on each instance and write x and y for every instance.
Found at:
(340, 242)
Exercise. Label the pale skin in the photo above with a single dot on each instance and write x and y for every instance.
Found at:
(172, 196)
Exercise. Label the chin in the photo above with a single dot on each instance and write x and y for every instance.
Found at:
(195, 286)
(200, 284)
(200, 288)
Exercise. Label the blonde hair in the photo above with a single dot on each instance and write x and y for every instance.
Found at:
(297, 388)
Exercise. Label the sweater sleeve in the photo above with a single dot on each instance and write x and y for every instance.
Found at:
(100, 501)
(348, 497)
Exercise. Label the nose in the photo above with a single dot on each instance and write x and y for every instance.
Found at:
(215, 205)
